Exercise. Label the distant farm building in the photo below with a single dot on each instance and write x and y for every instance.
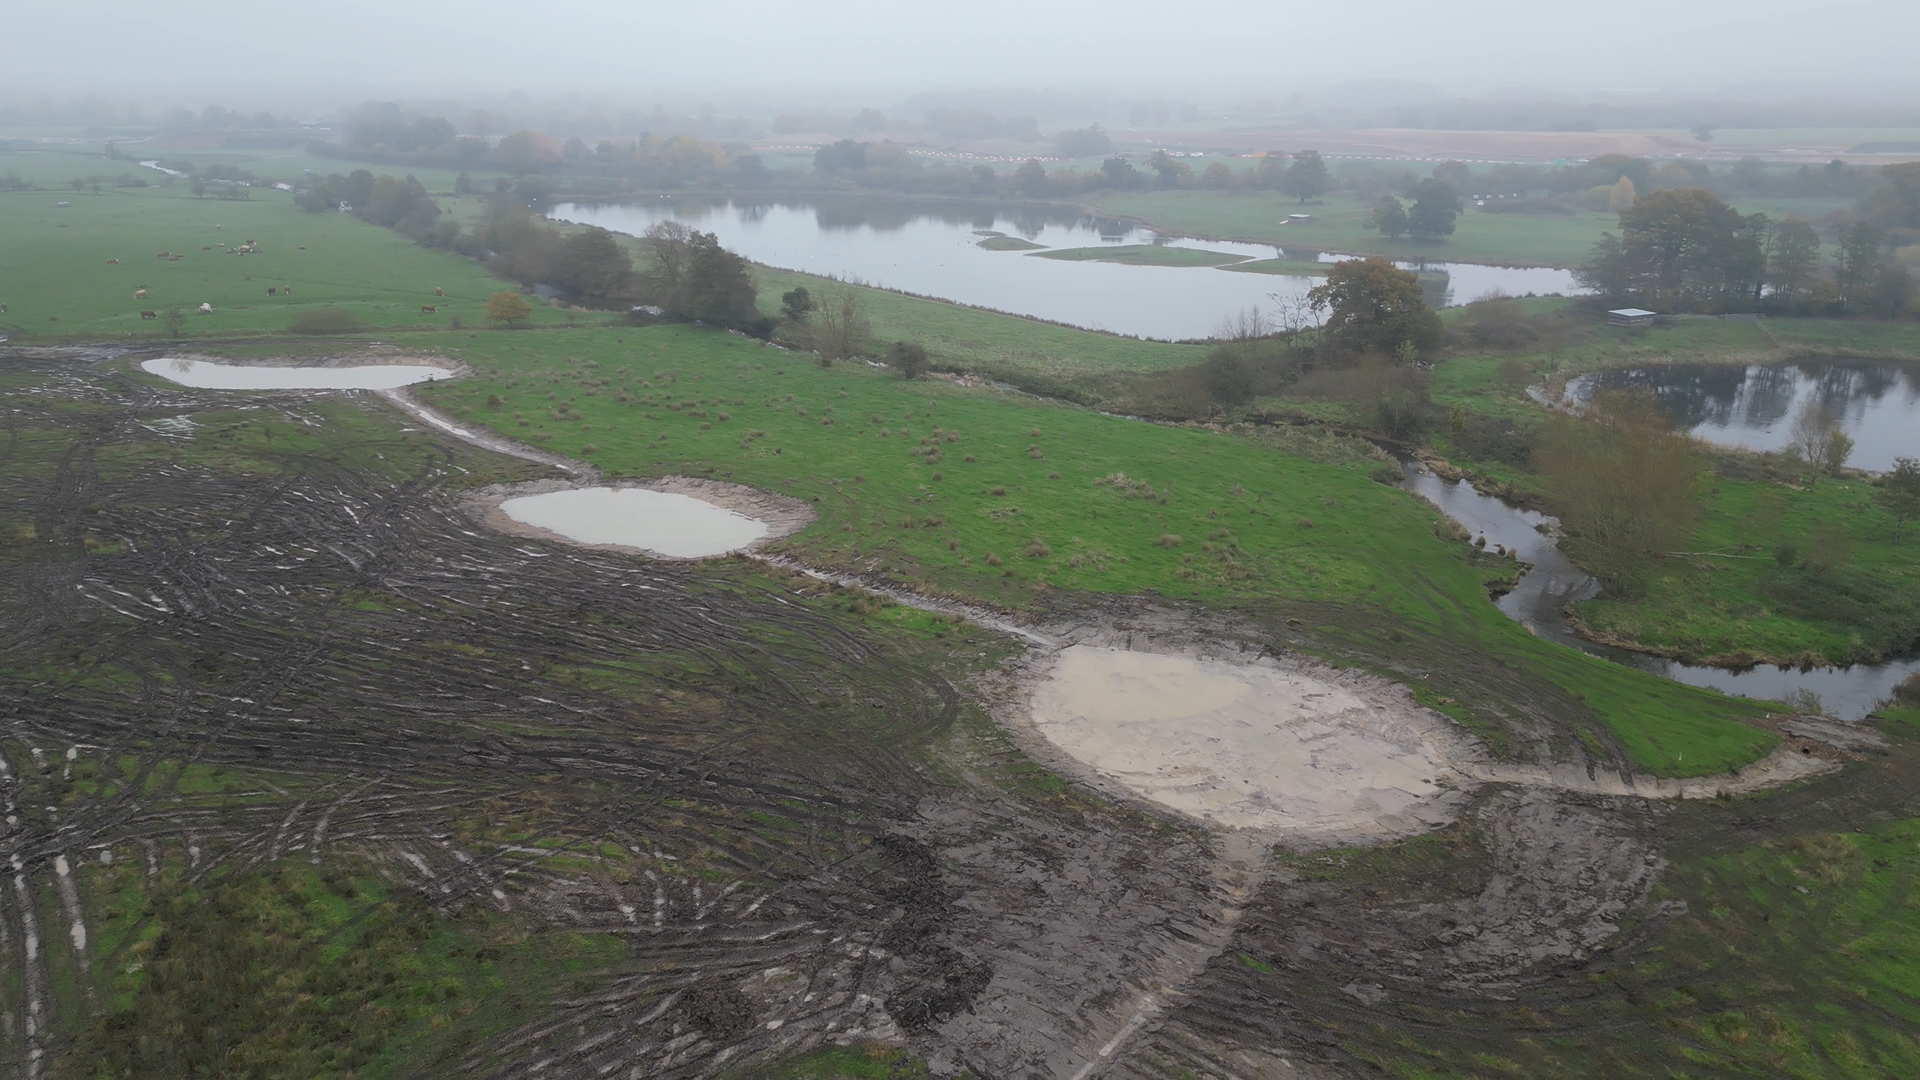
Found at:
(1631, 316)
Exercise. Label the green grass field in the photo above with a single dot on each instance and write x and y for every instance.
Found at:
(57, 279)
(1055, 499)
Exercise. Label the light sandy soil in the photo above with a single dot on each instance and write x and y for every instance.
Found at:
(1256, 745)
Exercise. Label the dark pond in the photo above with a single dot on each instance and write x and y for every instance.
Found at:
(935, 249)
(1878, 404)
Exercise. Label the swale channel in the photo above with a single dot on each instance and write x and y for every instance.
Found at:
(1539, 603)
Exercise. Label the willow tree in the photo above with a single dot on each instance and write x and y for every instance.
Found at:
(1622, 480)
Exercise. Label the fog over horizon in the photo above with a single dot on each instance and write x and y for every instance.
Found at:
(739, 53)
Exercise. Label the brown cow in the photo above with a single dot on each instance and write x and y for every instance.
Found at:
(437, 292)
(148, 315)
(428, 309)
(113, 262)
(162, 254)
(288, 289)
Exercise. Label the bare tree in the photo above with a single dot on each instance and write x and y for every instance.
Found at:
(1622, 481)
(840, 327)
(174, 322)
(1817, 437)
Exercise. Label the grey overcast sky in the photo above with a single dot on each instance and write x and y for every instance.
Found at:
(400, 47)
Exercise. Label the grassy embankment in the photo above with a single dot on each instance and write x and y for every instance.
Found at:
(1054, 499)
(57, 281)
(1847, 591)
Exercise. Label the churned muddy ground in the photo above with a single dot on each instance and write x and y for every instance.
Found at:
(237, 634)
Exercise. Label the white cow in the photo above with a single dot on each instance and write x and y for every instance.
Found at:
(206, 309)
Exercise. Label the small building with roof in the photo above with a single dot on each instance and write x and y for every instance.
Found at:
(1631, 316)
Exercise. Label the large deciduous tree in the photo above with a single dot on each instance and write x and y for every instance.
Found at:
(1435, 207)
(1793, 260)
(591, 265)
(1306, 176)
(1678, 250)
(1388, 217)
(1375, 307)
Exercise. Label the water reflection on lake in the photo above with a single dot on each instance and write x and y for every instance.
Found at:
(1540, 600)
(1878, 404)
(934, 249)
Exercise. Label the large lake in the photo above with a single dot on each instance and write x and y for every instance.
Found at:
(1878, 404)
(935, 250)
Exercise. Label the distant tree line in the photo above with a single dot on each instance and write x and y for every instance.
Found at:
(1684, 250)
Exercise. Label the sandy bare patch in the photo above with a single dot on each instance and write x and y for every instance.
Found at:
(1255, 745)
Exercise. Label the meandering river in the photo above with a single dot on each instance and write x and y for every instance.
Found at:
(1540, 600)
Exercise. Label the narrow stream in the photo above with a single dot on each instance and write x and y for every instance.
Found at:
(1540, 600)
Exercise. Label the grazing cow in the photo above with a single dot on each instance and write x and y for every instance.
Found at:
(428, 309)
(113, 262)
(206, 309)
(437, 292)
(206, 247)
(161, 254)
(139, 294)
(149, 315)
(3, 309)
(176, 258)
(271, 291)
(288, 289)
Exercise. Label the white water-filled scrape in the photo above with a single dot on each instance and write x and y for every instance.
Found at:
(207, 375)
(662, 522)
(1251, 745)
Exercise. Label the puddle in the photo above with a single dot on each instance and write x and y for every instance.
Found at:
(663, 522)
(1251, 746)
(211, 376)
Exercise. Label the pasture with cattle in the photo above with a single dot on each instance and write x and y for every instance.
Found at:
(91, 268)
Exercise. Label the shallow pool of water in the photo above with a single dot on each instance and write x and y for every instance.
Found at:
(1249, 745)
(1753, 407)
(658, 521)
(935, 250)
(1540, 600)
(211, 376)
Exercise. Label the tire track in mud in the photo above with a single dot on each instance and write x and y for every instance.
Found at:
(221, 670)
